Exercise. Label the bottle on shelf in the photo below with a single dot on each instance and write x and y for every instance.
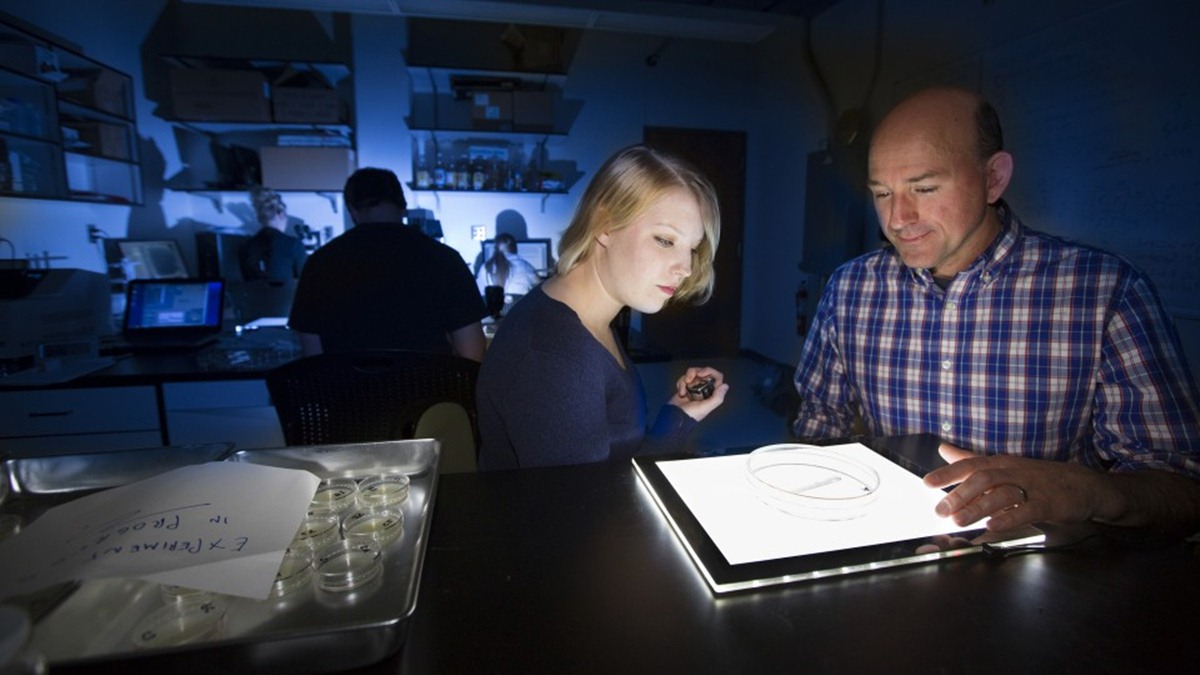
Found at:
(421, 172)
(479, 174)
(439, 174)
(533, 176)
(462, 174)
(496, 174)
(516, 180)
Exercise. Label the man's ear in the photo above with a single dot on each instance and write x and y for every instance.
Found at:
(999, 170)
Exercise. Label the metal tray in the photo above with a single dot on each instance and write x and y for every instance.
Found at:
(82, 626)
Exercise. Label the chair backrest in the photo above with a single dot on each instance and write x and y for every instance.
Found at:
(364, 396)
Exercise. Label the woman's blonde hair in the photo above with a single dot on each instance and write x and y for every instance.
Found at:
(625, 186)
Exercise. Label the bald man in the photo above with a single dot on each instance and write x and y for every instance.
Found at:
(1049, 369)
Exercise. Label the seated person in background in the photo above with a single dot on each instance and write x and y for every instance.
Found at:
(1049, 369)
(271, 253)
(507, 269)
(384, 285)
(557, 386)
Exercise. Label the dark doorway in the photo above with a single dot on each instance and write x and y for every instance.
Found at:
(711, 330)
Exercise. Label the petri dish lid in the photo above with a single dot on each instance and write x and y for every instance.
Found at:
(295, 572)
(374, 525)
(317, 531)
(10, 524)
(334, 495)
(15, 629)
(383, 490)
(181, 595)
(179, 625)
(347, 565)
(812, 482)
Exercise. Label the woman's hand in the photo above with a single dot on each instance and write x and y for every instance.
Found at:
(696, 406)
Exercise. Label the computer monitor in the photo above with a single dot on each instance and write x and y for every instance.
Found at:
(174, 303)
(534, 251)
(217, 255)
(146, 258)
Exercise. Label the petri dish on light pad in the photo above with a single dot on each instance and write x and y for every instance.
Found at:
(812, 482)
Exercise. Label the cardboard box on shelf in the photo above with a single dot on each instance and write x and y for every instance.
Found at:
(105, 90)
(492, 110)
(219, 95)
(306, 105)
(31, 59)
(307, 97)
(533, 110)
(306, 168)
(96, 88)
(109, 140)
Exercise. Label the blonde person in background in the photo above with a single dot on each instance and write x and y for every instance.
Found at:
(271, 253)
(507, 269)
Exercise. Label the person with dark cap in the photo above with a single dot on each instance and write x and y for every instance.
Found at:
(384, 285)
(271, 253)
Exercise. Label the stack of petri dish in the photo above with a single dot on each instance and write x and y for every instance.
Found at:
(188, 616)
(340, 543)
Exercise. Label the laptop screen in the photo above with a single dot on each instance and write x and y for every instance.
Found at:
(174, 303)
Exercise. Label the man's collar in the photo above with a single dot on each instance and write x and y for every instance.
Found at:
(988, 262)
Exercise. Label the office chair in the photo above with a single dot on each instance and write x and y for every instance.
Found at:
(379, 395)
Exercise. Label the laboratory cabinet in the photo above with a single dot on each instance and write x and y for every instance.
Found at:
(67, 124)
(287, 125)
(236, 411)
(489, 131)
(39, 422)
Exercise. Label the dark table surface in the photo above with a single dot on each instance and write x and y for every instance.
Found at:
(574, 569)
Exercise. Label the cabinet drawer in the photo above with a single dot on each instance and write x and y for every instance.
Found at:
(45, 446)
(254, 427)
(77, 411)
(215, 395)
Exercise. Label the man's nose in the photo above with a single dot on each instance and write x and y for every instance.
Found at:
(902, 211)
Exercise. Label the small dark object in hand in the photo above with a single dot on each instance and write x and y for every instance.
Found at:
(701, 390)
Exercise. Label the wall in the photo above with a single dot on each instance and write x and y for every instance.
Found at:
(694, 84)
(769, 91)
(113, 33)
(1098, 108)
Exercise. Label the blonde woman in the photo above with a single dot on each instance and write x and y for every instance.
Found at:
(271, 253)
(556, 386)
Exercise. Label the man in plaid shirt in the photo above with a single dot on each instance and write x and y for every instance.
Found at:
(1049, 370)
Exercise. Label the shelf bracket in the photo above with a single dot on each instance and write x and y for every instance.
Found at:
(545, 196)
(332, 197)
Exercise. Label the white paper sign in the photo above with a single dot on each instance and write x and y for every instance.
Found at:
(746, 529)
(220, 526)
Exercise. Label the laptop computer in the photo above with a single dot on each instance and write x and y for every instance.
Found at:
(172, 314)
